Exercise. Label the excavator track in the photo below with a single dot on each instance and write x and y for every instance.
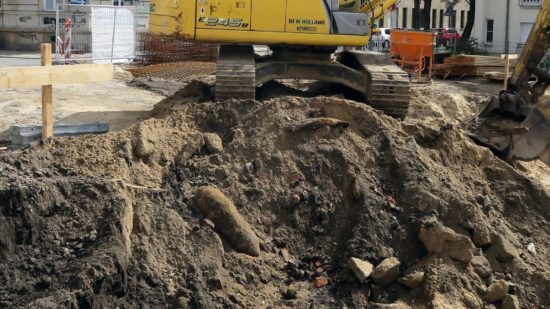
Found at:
(236, 73)
(388, 86)
(385, 85)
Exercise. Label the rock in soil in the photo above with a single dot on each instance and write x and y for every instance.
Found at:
(361, 269)
(386, 272)
(227, 220)
(496, 291)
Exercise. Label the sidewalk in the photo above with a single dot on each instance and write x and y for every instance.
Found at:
(18, 58)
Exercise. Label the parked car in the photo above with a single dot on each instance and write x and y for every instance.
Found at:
(382, 35)
(447, 36)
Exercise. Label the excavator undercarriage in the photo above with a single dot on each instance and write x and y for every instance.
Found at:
(383, 85)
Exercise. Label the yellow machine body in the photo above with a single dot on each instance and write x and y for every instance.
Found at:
(269, 22)
(302, 36)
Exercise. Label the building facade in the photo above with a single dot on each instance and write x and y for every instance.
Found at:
(503, 26)
(24, 24)
(403, 16)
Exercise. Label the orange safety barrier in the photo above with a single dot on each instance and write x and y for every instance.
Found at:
(413, 48)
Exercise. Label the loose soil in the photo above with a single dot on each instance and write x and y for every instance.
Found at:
(111, 221)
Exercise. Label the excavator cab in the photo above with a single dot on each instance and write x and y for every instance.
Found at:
(515, 124)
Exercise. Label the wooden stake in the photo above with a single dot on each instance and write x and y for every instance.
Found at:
(507, 58)
(506, 70)
(47, 94)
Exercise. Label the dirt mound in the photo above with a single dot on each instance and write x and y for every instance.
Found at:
(112, 220)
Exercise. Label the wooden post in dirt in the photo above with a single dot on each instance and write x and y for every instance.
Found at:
(47, 94)
(506, 70)
(47, 75)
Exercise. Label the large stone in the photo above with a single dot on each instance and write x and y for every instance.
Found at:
(386, 272)
(361, 269)
(496, 291)
(228, 222)
(481, 266)
(213, 143)
(503, 250)
(510, 302)
(412, 280)
(440, 239)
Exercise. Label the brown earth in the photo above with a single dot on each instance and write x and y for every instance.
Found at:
(111, 221)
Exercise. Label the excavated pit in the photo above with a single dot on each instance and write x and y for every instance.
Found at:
(110, 220)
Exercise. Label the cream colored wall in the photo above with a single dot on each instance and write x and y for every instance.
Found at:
(437, 5)
(496, 10)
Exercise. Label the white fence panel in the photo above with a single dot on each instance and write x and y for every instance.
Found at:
(113, 35)
(97, 34)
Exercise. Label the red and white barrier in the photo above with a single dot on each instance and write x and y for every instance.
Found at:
(68, 37)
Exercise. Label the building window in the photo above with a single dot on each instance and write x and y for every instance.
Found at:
(395, 23)
(381, 23)
(441, 14)
(489, 31)
(50, 5)
(415, 21)
(434, 17)
(462, 17)
(453, 17)
(404, 25)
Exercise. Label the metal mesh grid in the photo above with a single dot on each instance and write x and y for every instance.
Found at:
(181, 71)
(159, 49)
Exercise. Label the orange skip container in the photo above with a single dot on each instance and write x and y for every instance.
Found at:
(409, 48)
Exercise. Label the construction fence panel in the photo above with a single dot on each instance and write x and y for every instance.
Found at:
(95, 34)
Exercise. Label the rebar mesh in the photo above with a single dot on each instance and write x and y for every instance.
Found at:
(160, 49)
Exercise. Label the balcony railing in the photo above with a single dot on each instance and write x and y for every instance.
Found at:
(530, 3)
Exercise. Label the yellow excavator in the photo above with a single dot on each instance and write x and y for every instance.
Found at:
(515, 123)
(302, 35)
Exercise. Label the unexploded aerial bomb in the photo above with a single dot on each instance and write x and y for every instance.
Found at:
(227, 220)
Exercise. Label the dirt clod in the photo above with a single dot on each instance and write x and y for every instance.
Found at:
(412, 280)
(510, 302)
(481, 266)
(213, 143)
(440, 239)
(503, 250)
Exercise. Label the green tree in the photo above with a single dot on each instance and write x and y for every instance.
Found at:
(470, 21)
